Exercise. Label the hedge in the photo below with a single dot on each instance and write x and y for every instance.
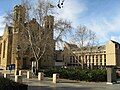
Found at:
(96, 75)
(6, 84)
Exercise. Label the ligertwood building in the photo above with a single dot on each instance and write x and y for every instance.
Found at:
(15, 46)
(92, 57)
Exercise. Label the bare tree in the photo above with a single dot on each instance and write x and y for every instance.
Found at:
(37, 40)
(43, 8)
(61, 27)
(85, 39)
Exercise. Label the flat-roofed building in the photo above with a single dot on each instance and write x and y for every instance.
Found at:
(92, 57)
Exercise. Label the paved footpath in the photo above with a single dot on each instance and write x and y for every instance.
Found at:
(64, 84)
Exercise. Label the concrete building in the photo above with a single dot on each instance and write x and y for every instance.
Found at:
(15, 47)
(93, 57)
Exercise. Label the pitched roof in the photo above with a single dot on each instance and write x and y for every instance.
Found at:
(114, 42)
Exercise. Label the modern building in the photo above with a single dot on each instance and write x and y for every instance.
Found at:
(19, 41)
(92, 57)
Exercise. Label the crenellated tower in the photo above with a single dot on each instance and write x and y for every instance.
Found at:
(48, 34)
(19, 17)
(48, 24)
(18, 26)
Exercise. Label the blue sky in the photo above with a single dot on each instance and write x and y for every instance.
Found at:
(5, 6)
(101, 16)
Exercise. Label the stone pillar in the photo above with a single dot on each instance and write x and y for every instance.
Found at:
(40, 76)
(18, 78)
(29, 74)
(111, 75)
(55, 78)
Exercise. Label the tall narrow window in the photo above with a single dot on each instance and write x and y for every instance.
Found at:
(86, 59)
(16, 15)
(89, 59)
(93, 59)
(104, 59)
(70, 59)
(0, 47)
(20, 19)
(100, 60)
(73, 59)
(79, 58)
(96, 60)
(4, 49)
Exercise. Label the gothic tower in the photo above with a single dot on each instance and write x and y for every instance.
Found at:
(49, 23)
(18, 25)
(19, 17)
(48, 34)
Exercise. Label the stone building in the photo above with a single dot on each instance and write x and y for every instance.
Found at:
(94, 57)
(15, 46)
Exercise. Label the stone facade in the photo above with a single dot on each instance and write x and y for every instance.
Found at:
(5, 47)
(15, 45)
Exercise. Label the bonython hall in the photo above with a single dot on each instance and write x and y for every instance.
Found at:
(15, 46)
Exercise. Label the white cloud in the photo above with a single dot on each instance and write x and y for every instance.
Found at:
(113, 25)
(71, 10)
(105, 28)
(2, 25)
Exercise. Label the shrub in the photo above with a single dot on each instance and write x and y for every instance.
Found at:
(97, 75)
(79, 74)
(6, 84)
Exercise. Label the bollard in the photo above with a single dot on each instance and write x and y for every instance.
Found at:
(5, 75)
(40, 76)
(20, 72)
(16, 72)
(29, 74)
(111, 75)
(55, 78)
(18, 78)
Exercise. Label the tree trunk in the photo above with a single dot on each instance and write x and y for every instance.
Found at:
(37, 67)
